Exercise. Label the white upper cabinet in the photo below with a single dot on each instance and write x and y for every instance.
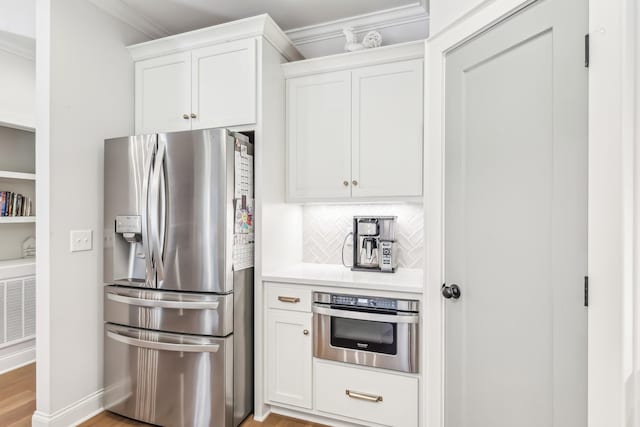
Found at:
(205, 78)
(387, 134)
(163, 94)
(319, 135)
(223, 85)
(355, 126)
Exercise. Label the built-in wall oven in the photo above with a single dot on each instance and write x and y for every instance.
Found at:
(369, 331)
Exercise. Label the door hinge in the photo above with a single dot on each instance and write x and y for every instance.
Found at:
(586, 50)
(586, 291)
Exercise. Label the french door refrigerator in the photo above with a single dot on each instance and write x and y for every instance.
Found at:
(178, 274)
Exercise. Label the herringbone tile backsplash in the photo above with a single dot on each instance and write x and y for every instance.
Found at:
(325, 227)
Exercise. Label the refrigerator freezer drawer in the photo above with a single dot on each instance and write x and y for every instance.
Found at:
(169, 379)
(198, 314)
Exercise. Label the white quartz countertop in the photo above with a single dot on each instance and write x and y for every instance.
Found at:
(403, 280)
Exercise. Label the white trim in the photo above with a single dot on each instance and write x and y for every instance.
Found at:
(393, 17)
(256, 26)
(24, 47)
(263, 417)
(18, 359)
(73, 414)
(130, 16)
(360, 58)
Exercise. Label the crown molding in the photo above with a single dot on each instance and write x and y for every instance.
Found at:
(396, 16)
(255, 26)
(15, 44)
(130, 16)
(359, 58)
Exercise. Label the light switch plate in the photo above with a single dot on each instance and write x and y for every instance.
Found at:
(81, 240)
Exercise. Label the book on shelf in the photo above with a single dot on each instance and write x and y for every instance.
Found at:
(14, 204)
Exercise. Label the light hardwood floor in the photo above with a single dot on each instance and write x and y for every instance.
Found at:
(18, 397)
(18, 401)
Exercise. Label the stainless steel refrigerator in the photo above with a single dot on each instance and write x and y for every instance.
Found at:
(178, 274)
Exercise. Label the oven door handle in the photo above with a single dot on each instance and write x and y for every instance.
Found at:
(359, 315)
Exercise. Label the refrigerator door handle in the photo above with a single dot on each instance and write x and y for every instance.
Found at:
(146, 241)
(159, 210)
(162, 345)
(142, 302)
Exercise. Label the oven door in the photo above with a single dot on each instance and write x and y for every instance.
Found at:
(388, 341)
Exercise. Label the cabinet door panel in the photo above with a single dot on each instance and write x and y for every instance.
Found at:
(163, 94)
(224, 85)
(319, 136)
(289, 357)
(387, 131)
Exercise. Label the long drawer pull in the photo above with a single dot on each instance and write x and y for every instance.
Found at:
(164, 346)
(157, 303)
(363, 396)
(289, 299)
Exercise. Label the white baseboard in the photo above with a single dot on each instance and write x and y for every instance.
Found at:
(263, 417)
(18, 359)
(73, 414)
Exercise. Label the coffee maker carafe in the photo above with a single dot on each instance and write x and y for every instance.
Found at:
(374, 247)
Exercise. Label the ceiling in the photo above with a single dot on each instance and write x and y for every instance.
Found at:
(177, 16)
(18, 17)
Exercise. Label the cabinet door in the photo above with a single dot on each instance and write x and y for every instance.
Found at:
(224, 84)
(319, 136)
(387, 131)
(163, 94)
(289, 357)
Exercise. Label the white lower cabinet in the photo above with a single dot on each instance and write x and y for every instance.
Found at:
(366, 395)
(289, 358)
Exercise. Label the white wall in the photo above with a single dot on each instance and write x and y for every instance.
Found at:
(84, 95)
(445, 12)
(17, 86)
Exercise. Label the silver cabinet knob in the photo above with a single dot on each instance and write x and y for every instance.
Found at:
(194, 115)
(185, 116)
(354, 182)
(306, 332)
(345, 183)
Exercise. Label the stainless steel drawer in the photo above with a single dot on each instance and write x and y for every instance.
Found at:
(169, 379)
(181, 312)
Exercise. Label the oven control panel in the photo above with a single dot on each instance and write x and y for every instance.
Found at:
(359, 301)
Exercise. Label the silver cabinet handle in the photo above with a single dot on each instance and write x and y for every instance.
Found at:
(185, 305)
(165, 346)
(345, 183)
(363, 396)
(194, 115)
(354, 182)
(289, 299)
(185, 116)
(306, 332)
(358, 315)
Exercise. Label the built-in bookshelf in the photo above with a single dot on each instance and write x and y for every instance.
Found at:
(17, 181)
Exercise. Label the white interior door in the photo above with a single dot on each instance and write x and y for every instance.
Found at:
(516, 222)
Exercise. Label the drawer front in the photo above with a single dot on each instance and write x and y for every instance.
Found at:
(296, 298)
(181, 312)
(366, 395)
(168, 379)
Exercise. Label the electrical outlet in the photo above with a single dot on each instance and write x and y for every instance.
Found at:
(81, 240)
